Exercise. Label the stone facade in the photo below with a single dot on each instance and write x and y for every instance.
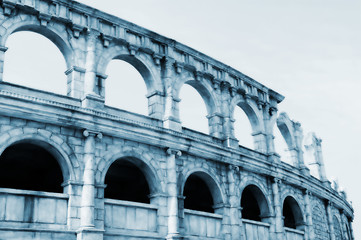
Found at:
(87, 139)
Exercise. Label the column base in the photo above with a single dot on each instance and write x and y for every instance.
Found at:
(174, 236)
(93, 101)
(89, 234)
(173, 124)
(231, 142)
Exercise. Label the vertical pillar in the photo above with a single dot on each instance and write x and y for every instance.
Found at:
(351, 228)
(330, 220)
(260, 141)
(75, 86)
(310, 235)
(278, 209)
(172, 189)
(92, 82)
(171, 106)
(319, 159)
(234, 202)
(3, 49)
(87, 229)
(215, 125)
(156, 105)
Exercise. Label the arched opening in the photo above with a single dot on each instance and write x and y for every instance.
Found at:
(254, 204)
(126, 181)
(199, 193)
(125, 87)
(192, 109)
(281, 146)
(242, 128)
(292, 214)
(29, 166)
(34, 61)
(337, 228)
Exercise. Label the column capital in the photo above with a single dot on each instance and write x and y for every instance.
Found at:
(307, 192)
(233, 168)
(277, 180)
(172, 151)
(87, 133)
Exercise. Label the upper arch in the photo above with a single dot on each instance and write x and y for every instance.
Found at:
(140, 61)
(59, 38)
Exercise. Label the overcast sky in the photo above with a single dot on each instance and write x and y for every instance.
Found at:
(307, 50)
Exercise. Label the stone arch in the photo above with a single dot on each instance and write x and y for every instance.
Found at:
(32, 24)
(210, 180)
(292, 212)
(251, 109)
(337, 227)
(142, 62)
(52, 143)
(260, 195)
(204, 89)
(285, 125)
(143, 161)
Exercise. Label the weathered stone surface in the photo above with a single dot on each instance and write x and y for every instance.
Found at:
(87, 138)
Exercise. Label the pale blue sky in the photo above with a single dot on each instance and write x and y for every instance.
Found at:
(307, 50)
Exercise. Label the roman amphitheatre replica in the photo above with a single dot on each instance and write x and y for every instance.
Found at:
(72, 167)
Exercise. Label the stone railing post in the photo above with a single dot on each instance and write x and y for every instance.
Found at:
(92, 82)
(278, 209)
(156, 105)
(3, 49)
(172, 191)
(171, 106)
(234, 202)
(330, 220)
(309, 229)
(215, 124)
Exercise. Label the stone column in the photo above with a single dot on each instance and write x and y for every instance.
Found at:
(234, 201)
(87, 229)
(310, 235)
(3, 49)
(330, 220)
(172, 190)
(88, 193)
(75, 86)
(171, 106)
(278, 209)
(92, 98)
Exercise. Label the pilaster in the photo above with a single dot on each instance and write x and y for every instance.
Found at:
(172, 190)
(310, 235)
(171, 106)
(260, 141)
(87, 217)
(92, 82)
(234, 201)
(329, 206)
(3, 49)
(278, 209)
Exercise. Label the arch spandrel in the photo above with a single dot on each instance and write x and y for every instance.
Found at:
(56, 33)
(142, 62)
